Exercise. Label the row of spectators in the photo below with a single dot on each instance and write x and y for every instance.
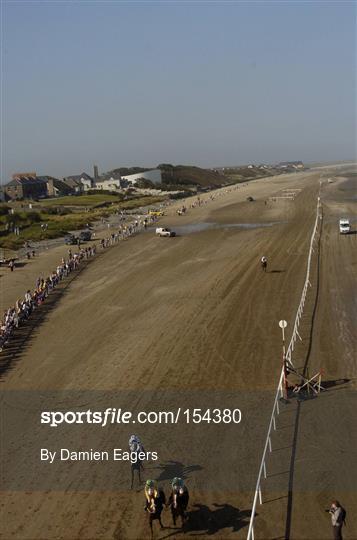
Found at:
(23, 308)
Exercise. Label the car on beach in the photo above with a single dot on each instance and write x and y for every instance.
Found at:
(344, 226)
(5, 261)
(85, 236)
(156, 213)
(70, 240)
(165, 232)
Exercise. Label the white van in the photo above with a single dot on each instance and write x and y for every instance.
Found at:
(164, 231)
(344, 226)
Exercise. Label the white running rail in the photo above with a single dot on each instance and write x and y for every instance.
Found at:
(279, 392)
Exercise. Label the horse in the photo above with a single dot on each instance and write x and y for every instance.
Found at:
(178, 501)
(264, 264)
(155, 501)
(135, 447)
(137, 466)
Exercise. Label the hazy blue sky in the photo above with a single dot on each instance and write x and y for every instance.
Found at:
(219, 83)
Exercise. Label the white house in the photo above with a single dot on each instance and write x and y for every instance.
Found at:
(108, 184)
(154, 176)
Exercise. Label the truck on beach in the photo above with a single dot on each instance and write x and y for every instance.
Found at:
(165, 232)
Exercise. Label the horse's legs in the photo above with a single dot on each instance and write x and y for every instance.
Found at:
(182, 514)
(132, 478)
(173, 513)
(161, 525)
(152, 532)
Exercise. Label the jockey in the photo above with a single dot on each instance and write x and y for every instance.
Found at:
(178, 487)
(133, 438)
(135, 444)
(155, 497)
(177, 483)
(263, 260)
(151, 492)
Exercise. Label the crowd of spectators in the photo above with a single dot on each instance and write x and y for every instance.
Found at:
(14, 316)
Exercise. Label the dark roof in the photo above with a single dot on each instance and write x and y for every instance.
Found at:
(46, 178)
(61, 185)
(77, 177)
(71, 182)
(26, 180)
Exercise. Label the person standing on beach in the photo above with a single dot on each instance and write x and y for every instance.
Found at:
(338, 516)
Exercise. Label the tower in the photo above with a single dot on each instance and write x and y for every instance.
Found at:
(96, 175)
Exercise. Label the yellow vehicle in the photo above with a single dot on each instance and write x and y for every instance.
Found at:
(156, 213)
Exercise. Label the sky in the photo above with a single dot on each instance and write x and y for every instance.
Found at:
(202, 83)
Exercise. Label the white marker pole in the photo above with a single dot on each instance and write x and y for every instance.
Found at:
(283, 324)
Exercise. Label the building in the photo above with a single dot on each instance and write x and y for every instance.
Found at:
(153, 175)
(95, 172)
(26, 186)
(111, 182)
(291, 165)
(80, 182)
(75, 186)
(57, 188)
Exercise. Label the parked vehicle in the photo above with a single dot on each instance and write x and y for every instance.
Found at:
(70, 240)
(156, 213)
(164, 231)
(345, 226)
(5, 261)
(85, 236)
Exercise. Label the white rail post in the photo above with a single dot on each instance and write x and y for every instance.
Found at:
(283, 324)
(281, 389)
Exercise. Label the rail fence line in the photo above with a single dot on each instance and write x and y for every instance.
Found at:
(279, 391)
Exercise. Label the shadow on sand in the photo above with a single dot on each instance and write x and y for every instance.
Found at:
(203, 521)
(170, 469)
